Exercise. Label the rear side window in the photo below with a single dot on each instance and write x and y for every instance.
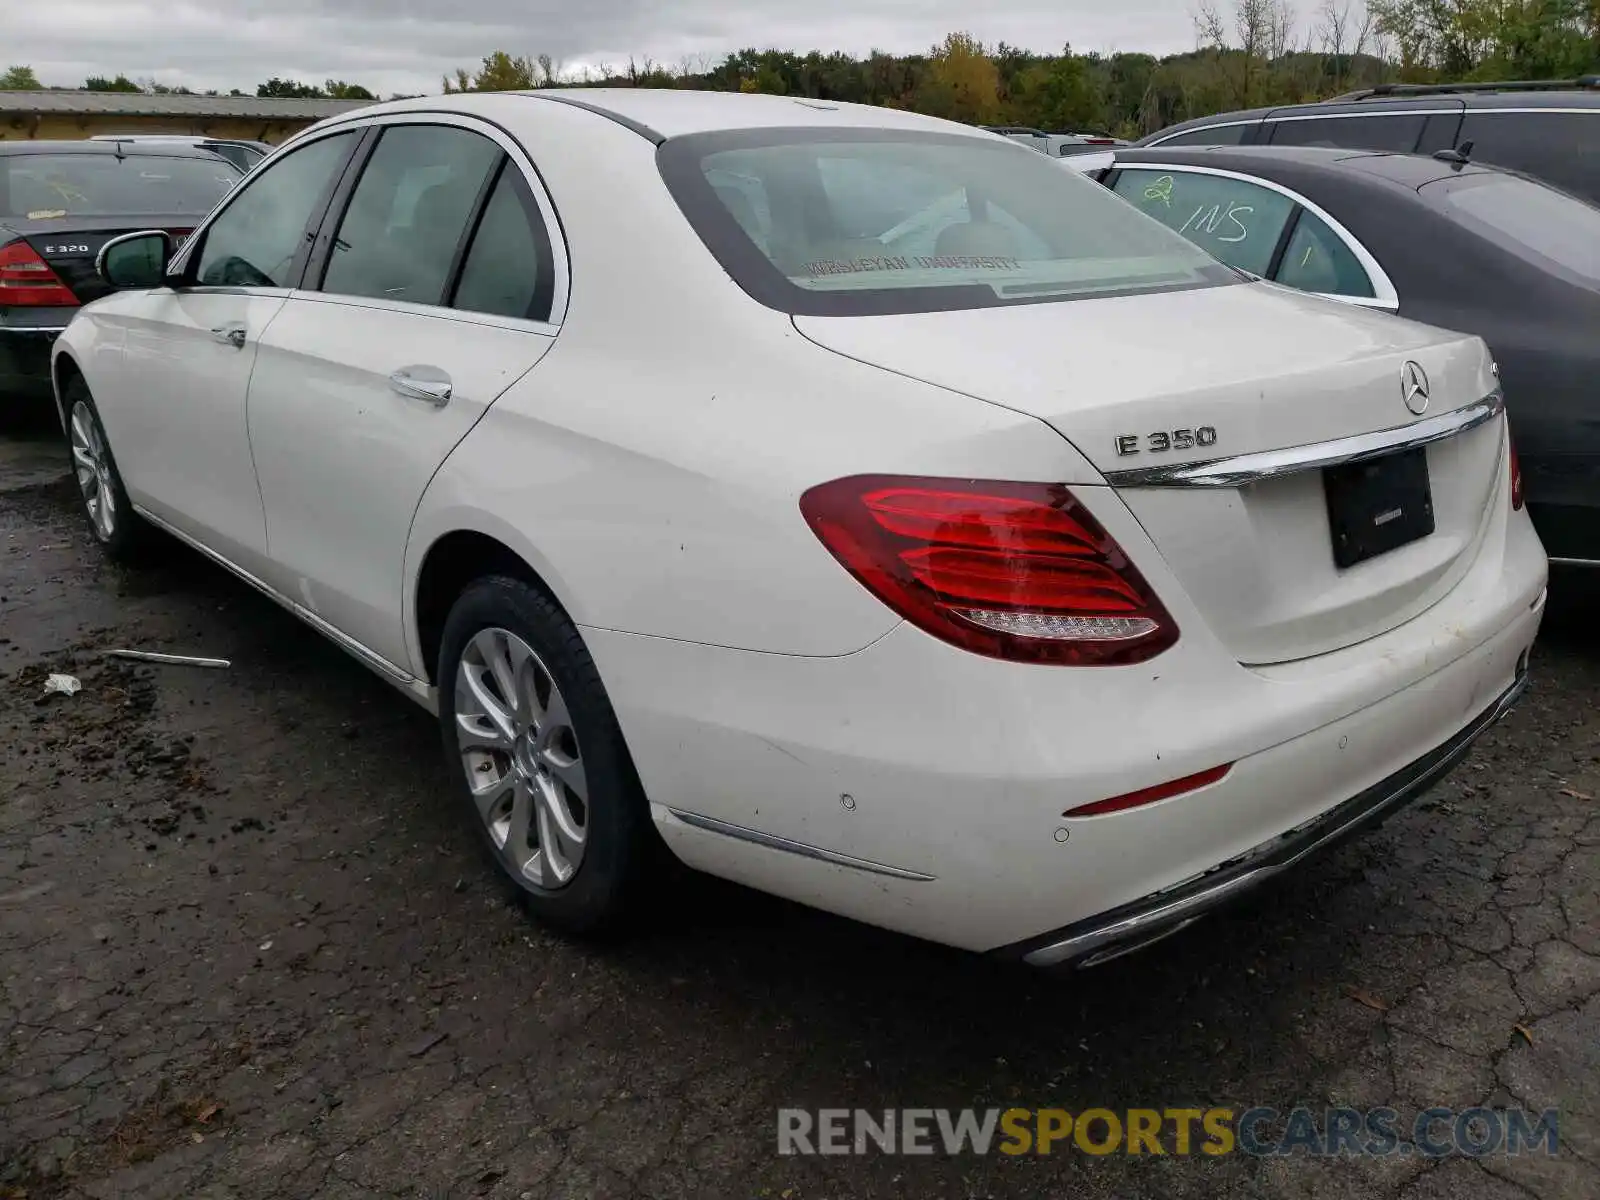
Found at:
(1561, 147)
(1238, 222)
(409, 212)
(1559, 232)
(1317, 260)
(838, 222)
(508, 270)
(42, 187)
(1398, 133)
(1211, 135)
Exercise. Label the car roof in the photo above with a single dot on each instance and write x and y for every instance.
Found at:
(110, 149)
(662, 113)
(1396, 101)
(1281, 163)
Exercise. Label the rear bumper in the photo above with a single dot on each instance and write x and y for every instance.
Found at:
(25, 358)
(1121, 930)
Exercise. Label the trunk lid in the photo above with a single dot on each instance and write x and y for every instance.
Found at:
(1184, 377)
(69, 247)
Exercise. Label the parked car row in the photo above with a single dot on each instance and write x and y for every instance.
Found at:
(1451, 243)
(60, 202)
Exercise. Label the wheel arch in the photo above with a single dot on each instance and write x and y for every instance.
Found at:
(452, 561)
(64, 369)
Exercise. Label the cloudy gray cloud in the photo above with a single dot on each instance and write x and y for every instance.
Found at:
(406, 45)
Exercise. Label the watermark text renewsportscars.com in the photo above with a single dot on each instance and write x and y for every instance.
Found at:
(1259, 1131)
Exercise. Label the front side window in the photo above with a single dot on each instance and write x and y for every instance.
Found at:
(1238, 222)
(257, 239)
(843, 222)
(409, 212)
(1559, 232)
(53, 187)
(1318, 260)
(1398, 133)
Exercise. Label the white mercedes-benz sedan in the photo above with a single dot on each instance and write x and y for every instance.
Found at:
(860, 506)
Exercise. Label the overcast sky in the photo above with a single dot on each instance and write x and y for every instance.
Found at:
(406, 45)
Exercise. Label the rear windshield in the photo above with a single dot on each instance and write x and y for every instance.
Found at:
(48, 186)
(838, 223)
(1532, 220)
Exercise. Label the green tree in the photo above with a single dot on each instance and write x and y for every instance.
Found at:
(500, 72)
(338, 89)
(962, 84)
(289, 89)
(99, 83)
(20, 79)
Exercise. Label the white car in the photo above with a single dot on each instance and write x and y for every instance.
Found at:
(1007, 572)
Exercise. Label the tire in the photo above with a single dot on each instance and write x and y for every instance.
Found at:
(528, 806)
(122, 533)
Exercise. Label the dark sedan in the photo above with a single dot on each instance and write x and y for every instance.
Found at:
(1449, 243)
(59, 203)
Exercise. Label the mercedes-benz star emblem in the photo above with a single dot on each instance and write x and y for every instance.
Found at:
(1414, 388)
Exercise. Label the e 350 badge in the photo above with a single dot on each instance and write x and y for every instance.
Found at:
(1166, 439)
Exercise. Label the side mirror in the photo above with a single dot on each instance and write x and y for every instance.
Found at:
(135, 260)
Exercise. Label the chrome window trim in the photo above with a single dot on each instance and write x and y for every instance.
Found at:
(1198, 129)
(1371, 112)
(1383, 296)
(1243, 469)
(464, 316)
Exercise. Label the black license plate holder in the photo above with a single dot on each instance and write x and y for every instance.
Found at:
(1378, 505)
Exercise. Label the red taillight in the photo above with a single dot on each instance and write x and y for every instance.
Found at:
(1516, 473)
(26, 280)
(1019, 571)
(1150, 795)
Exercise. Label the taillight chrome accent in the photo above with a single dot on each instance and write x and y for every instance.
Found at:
(1149, 795)
(1019, 571)
(26, 280)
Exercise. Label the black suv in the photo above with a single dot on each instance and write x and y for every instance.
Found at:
(1549, 129)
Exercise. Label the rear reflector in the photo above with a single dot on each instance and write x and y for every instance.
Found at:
(1019, 571)
(1516, 472)
(1150, 795)
(26, 280)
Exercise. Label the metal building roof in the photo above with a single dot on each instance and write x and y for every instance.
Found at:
(141, 104)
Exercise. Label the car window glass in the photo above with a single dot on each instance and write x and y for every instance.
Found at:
(408, 213)
(253, 242)
(1397, 133)
(798, 219)
(508, 269)
(1563, 148)
(54, 187)
(1560, 232)
(1318, 260)
(1238, 222)
(1211, 135)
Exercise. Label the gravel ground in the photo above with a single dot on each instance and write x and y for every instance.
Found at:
(248, 949)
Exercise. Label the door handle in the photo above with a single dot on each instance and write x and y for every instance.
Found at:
(231, 335)
(422, 383)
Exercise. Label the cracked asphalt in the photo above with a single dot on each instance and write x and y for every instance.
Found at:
(248, 948)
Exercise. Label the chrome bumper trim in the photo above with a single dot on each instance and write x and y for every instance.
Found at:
(1132, 926)
(773, 842)
(1269, 464)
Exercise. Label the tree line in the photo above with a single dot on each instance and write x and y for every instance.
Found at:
(1250, 53)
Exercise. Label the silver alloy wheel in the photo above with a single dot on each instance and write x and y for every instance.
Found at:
(522, 759)
(93, 468)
